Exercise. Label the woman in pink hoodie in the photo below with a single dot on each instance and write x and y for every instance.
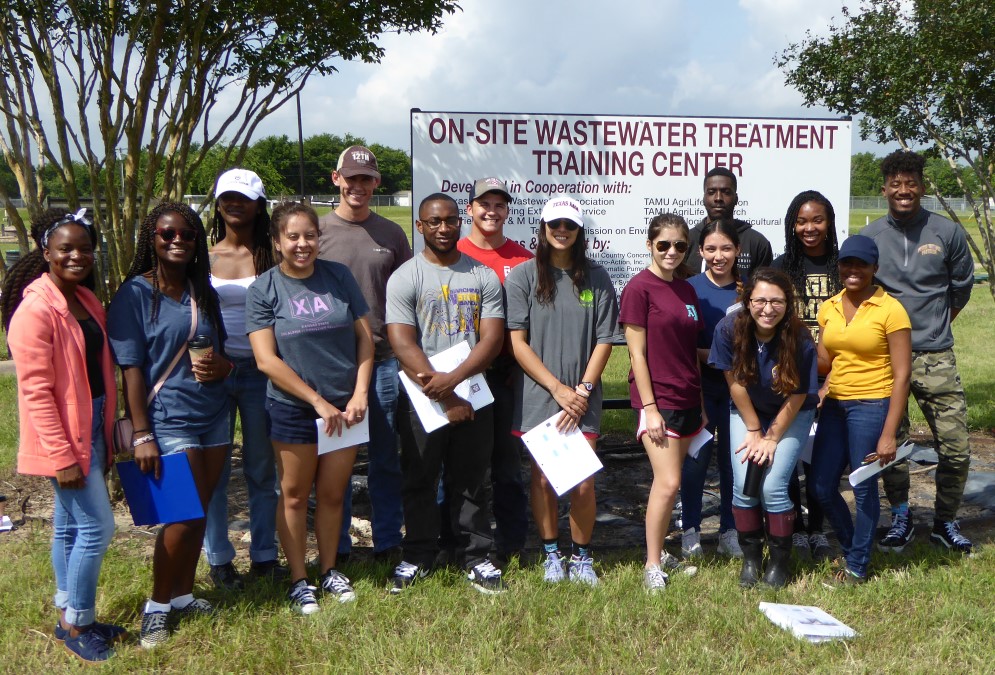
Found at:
(66, 406)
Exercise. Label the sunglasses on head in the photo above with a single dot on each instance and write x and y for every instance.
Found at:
(663, 246)
(168, 234)
(556, 224)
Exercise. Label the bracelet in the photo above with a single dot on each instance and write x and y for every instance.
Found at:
(754, 430)
(649, 404)
(143, 440)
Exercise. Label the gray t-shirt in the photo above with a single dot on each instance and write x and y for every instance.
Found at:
(563, 335)
(444, 304)
(312, 320)
(372, 249)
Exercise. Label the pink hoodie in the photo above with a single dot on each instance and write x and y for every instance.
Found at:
(53, 394)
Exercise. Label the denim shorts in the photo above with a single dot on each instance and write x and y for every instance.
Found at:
(171, 442)
(290, 423)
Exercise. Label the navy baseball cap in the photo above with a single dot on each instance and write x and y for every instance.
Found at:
(860, 247)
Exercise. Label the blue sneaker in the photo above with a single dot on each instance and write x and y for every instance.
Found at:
(89, 647)
(108, 631)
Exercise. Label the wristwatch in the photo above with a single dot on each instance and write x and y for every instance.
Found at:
(587, 385)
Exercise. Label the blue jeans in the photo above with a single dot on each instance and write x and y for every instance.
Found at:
(774, 491)
(384, 469)
(694, 470)
(246, 388)
(848, 431)
(83, 526)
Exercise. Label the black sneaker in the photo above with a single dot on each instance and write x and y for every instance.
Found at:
(199, 607)
(226, 577)
(900, 535)
(404, 575)
(301, 596)
(89, 647)
(947, 533)
(155, 629)
(270, 570)
(486, 578)
(337, 585)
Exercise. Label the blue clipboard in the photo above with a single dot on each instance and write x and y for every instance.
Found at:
(171, 499)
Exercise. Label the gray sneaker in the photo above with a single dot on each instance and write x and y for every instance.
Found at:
(691, 544)
(654, 579)
(554, 571)
(672, 563)
(799, 542)
(821, 550)
(581, 570)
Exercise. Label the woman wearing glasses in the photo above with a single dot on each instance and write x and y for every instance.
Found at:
(561, 314)
(662, 321)
(769, 361)
(149, 323)
(67, 399)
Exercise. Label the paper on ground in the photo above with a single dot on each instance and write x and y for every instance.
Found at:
(473, 389)
(565, 459)
(357, 434)
(865, 471)
(6, 524)
(807, 622)
(698, 441)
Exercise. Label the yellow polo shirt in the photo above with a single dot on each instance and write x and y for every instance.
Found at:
(861, 361)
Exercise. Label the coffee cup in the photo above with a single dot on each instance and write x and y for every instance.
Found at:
(200, 346)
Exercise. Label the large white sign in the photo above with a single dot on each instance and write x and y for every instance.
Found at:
(625, 170)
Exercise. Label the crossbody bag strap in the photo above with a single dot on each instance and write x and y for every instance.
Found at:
(183, 348)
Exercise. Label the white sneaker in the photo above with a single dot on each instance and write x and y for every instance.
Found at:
(729, 544)
(691, 544)
(654, 579)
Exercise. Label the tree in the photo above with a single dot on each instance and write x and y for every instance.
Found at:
(164, 82)
(865, 175)
(920, 72)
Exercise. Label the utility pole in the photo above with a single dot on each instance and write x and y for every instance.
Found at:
(300, 145)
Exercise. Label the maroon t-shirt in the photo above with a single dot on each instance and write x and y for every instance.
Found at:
(668, 310)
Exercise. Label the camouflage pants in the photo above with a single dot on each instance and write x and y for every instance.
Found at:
(937, 388)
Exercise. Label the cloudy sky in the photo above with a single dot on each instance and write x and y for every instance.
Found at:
(640, 57)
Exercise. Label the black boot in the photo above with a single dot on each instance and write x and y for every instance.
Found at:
(752, 544)
(779, 529)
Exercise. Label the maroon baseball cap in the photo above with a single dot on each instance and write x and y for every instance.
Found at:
(358, 161)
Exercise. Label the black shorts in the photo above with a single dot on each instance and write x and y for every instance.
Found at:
(680, 423)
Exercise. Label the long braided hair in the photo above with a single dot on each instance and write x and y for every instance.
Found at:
(262, 246)
(30, 266)
(794, 251)
(789, 332)
(198, 270)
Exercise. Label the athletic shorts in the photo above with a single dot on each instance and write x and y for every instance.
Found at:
(680, 423)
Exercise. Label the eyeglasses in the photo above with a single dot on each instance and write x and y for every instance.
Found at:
(663, 246)
(562, 222)
(436, 223)
(168, 234)
(777, 304)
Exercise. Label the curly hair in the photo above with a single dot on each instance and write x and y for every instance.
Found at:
(198, 270)
(262, 246)
(579, 266)
(672, 221)
(903, 161)
(794, 252)
(726, 228)
(32, 265)
(789, 333)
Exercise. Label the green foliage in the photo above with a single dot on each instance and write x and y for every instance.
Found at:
(865, 175)
(922, 73)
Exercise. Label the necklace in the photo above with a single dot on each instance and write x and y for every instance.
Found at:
(760, 346)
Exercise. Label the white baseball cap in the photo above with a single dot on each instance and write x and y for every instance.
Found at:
(242, 181)
(562, 207)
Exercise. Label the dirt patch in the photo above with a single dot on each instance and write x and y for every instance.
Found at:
(622, 489)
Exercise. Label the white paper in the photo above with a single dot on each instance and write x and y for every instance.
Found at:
(357, 434)
(865, 471)
(565, 459)
(806, 454)
(6, 524)
(807, 622)
(473, 390)
(698, 441)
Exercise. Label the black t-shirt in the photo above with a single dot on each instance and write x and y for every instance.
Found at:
(93, 337)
